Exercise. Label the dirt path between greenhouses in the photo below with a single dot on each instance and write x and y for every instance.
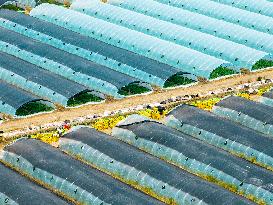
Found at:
(201, 88)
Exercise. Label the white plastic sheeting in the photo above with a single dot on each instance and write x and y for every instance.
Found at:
(32, 87)
(6, 200)
(63, 186)
(237, 54)
(206, 24)
(81, 52)
(59, 69)
(178, 158)
(219, 141)
(263, 7)
(225, 13)
(186, 59)
(101, 160)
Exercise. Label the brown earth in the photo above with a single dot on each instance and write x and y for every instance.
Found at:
(155, 97)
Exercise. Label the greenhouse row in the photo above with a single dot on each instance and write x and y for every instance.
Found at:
(263, 7)
(107, 179)
(90, 50)
(28, 192)
(206, 157)
(235, 53)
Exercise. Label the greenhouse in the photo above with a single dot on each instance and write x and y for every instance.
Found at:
(188, 60)
(12, 100)
(263, 7)
(41, 82)
(267, 98)
(222, 133)
(93, 148)
(30, 86)
(70, 177)
(115, 58)
(206, 24)
(116, 156)
(227, 13)
(20, 190)
(108, 81)
(237, 54)
(5, 199)
(184, 46)
(59, 69)
(195, 156)
(251, 114)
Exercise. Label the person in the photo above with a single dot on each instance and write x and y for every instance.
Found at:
(161, 109)
(67, 126)
(60, 132)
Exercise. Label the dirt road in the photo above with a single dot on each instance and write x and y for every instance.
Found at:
(133, 101)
